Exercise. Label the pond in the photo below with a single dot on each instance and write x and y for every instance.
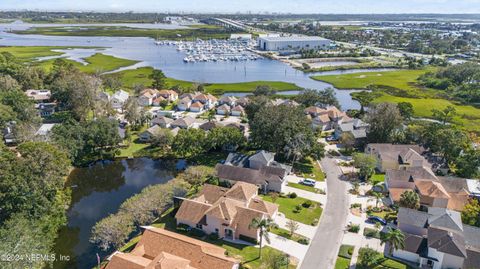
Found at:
(99, 190)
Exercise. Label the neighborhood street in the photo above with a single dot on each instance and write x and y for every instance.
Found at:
(322, 253)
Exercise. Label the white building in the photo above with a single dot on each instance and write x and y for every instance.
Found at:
(119, 98)
(272, 43)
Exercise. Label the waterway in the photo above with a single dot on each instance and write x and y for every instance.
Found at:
(98, 191)
(171, 62)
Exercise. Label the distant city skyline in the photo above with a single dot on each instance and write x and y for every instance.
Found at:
(254, 6)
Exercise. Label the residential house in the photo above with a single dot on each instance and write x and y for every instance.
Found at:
(147, 96)
(197, 107)
(226, 212)
(119, 98)
(223, 110)
(256, 161)
(169, 95)
(207, 100)
(46, 109)
(390, 156)
(150, 133)
(183, 123)
(242, 101)
(39, 96)
(267, 178)
(161, 121)
(184, 104)
(444, 192)
(209, 125)
(105, 96)
(227, 100)
(158, 101)
(43, 133)
(437, 239)
(238, 111)
(326, 118)
(356, 127)
(162, 249)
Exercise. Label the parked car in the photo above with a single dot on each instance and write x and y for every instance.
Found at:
(308, 182)
(375, 219)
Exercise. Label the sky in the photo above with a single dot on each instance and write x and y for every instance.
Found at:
(255, 6)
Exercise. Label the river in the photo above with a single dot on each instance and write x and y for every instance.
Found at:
(97, 191)
(171, 62)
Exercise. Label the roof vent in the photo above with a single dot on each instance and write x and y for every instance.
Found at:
(450, 234)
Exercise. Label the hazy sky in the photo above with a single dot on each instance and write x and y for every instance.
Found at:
(293, 6)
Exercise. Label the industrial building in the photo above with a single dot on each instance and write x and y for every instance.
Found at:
(279, 43)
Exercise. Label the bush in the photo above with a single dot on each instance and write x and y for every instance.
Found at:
(354, 228)
(315, 222)
(213, 236)
(307, 204)
(292, 195)
(346, 251)
(303, 241)
(297, 209)
(248, 239)
(369, 232)
(183, 227)
(356, 205)
(197, 232)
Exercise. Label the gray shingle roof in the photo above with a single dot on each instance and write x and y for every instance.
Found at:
(262, 156)
(412, 217)
(447, 241)
(444, 218)
(472, 236)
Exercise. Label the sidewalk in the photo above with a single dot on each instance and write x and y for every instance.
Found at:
(290, 247)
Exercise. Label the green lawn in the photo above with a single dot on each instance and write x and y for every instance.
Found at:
(134, 146)
(247, 254)
(377, 178)
(199, 31)
(30, 53)
(402, 79)
(104, 63)
(305, 215)
(285, 233)
(342, 263)
(422, 99)
(309, 168)
(303, 187)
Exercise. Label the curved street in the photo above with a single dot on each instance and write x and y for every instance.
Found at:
(323, 250)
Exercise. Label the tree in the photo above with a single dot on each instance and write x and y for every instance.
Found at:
(263, 90)
(284, 129)
(348, 141)
(467, 164)
(225, 138)
(275, 260)
(112, 231)
(312, 97)
(365, 98)
(162, 139)
(384, 120)
(365, 163)
(368, 257)
(444, 139)
(263, 226)
(395, 238)
(471, 213)
(132, 113)
(101, 138)
(444, 116)
(377, 197)
(189, 142)
(292, 227)
(255, 104)
(159, 79)
(406, 110)
(410, 199)
(197, 175)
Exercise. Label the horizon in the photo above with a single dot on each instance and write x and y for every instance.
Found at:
(296, 7)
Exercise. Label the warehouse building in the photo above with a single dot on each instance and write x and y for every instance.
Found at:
(279, 43)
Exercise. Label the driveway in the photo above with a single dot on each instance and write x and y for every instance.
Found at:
(289, 247)
(303, 229)
(323, 250)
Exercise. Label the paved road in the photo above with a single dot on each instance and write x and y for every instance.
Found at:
(323, 250)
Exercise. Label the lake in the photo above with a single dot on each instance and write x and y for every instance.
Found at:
(99, 190)
(171, 62)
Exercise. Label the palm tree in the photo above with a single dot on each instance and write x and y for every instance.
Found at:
(410, 199)
(395, 238)
(377, 197)
(264, 225)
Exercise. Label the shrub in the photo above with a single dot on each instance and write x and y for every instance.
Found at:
(315, 222)
(369, 232)
(183, 227)
(307, 204)
(297, 209)
(213, 236)
(248, 239)
(303, 241)
(346, 251)
(196, 232)
(356, 205)
(292, 195)
(354, 228)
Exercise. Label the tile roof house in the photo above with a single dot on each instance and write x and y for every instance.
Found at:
(162, 249)
(184, 104)
(147, 96)
(39, 96)
(197, 107)
(238, 111)
(227, 100)
(393, 156)
(356, 127)
(437, 239)
(326, 118)
(183, 123)
(169, 95)
(226, 212)
(223, 110)
(209, 125)
(162, 121)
